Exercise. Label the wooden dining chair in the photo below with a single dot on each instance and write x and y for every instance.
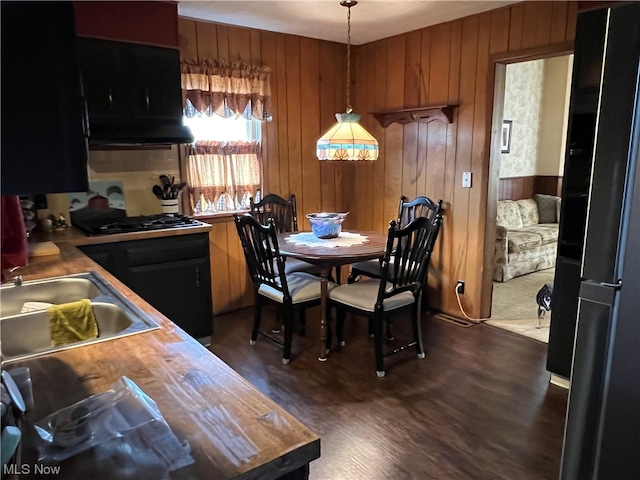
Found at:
(284, 214)
(409, 250)
(408, 210)
(292, 292)
(283, 211)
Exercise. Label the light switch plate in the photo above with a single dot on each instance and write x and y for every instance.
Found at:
(466, 179)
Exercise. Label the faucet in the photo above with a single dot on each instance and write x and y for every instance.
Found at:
(17, 280)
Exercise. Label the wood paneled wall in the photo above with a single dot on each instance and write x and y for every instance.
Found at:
(450, 63)
(447, 63)
(307, 86)
(516, 188)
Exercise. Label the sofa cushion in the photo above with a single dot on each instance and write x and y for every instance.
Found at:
(548, 206)
(547, 231)
(508, 214)
(519, 241)
(528, 211)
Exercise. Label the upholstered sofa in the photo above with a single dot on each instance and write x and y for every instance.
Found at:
(526, 236)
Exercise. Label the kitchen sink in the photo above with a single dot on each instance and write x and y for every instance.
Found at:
(56, 290)
(27, 334)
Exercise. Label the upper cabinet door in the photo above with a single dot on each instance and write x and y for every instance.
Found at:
(156, 91)
(44, 147)
(104, 70)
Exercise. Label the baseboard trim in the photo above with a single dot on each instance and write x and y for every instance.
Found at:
(560, 381)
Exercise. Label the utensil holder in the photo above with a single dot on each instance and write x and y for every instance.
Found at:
(169, 205)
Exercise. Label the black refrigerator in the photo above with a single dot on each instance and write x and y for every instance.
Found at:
(602, 431)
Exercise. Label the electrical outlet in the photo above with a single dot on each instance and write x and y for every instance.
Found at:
(460, 287)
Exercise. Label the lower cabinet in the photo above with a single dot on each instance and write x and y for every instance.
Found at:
(171, 273)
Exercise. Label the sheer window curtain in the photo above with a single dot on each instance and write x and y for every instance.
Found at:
(223, 174)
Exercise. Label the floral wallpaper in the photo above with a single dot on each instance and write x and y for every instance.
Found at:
(523, 93)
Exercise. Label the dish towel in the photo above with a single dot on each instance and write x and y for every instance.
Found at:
(72, 322)
(13, 235)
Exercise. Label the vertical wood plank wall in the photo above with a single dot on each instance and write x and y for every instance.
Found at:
(307, 86)
(446, 63)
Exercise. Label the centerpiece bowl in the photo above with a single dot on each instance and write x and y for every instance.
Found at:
(326, 224)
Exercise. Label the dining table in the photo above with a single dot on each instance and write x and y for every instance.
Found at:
(349, 247)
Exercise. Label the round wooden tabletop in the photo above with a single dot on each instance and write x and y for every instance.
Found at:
(373, 247)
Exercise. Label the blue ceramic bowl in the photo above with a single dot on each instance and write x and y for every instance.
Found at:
(326, 225)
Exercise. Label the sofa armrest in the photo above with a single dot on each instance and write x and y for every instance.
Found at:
(502, 246)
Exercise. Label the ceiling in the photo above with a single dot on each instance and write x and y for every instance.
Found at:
(327, 20)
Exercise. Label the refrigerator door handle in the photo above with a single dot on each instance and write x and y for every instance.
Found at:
(617, 285)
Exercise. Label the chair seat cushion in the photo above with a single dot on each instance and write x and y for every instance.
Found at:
(292, 265)
(371, 267)
(363, 295)
(303, 287)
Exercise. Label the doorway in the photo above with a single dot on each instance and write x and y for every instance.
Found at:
(531, 104)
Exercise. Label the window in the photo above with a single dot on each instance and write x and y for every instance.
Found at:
(224, 163)
(225, 105)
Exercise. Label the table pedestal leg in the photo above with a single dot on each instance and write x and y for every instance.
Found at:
(324, 293)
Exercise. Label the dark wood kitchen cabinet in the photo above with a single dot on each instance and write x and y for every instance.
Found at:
(171, 273)
(129, 88)
(44, 145)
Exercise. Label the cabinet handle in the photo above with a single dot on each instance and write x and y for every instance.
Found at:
(110, 98)
(197, 276)
(146, 97)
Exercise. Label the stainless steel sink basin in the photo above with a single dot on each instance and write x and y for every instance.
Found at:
(58, 290)
(25, 335)
(29, 333)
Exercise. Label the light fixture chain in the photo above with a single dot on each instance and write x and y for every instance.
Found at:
(349, 109)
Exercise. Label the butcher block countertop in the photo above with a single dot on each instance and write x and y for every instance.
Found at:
(77, 237)
(234, 431)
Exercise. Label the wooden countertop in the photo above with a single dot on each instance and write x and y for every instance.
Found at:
(77, 237)
(234, 430)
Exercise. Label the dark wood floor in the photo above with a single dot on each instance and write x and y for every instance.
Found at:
(479, 406)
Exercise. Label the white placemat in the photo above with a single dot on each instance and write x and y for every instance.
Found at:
(345, 239)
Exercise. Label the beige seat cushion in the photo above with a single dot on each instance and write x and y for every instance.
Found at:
(520, 241)
(547, 231)
(292, 265)
(303, 287)
(363, 295)
(370, 266)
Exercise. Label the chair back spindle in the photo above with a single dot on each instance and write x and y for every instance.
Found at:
(260, 246)
(283, 212)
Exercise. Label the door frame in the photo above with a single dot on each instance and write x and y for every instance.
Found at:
(496, 84)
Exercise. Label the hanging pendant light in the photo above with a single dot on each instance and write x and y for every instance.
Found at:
(347, 139)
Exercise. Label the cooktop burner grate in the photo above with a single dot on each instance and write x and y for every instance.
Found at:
(134, 224)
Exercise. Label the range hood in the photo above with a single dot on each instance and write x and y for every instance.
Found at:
(128, 134)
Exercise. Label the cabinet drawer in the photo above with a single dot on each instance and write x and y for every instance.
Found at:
(162, 250)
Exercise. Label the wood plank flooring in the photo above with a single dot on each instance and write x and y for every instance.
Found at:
(479, 405)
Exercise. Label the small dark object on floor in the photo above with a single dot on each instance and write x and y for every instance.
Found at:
(544, 299)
